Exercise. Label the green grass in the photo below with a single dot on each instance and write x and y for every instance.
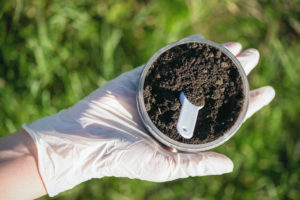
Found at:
(53, 53)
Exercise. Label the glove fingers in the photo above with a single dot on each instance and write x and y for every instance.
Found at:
(259, 98)
(234, 47)
(248, 59)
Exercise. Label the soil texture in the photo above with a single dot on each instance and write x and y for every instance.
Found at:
(205, 74)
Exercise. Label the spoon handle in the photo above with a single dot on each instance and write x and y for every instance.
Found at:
(187, 117)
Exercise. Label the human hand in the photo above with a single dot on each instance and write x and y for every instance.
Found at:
(103, 135)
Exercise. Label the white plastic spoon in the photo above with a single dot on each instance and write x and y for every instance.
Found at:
(187, 117)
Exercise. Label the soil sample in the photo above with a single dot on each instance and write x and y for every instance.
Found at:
(204, 74)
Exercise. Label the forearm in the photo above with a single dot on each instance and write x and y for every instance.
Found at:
(19, 173)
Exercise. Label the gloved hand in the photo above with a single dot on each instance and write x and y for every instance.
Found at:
(103, 135)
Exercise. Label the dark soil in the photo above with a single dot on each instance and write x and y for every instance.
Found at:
(204, 73)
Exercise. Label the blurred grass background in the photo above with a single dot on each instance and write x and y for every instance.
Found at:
(53, 53)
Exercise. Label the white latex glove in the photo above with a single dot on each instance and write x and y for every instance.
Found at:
(103, 135)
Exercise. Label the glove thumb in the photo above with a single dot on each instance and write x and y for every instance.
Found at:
(198, 164)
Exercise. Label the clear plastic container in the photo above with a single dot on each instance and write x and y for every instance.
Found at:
(184, 146)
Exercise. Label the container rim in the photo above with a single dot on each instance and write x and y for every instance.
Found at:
(184, 146)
